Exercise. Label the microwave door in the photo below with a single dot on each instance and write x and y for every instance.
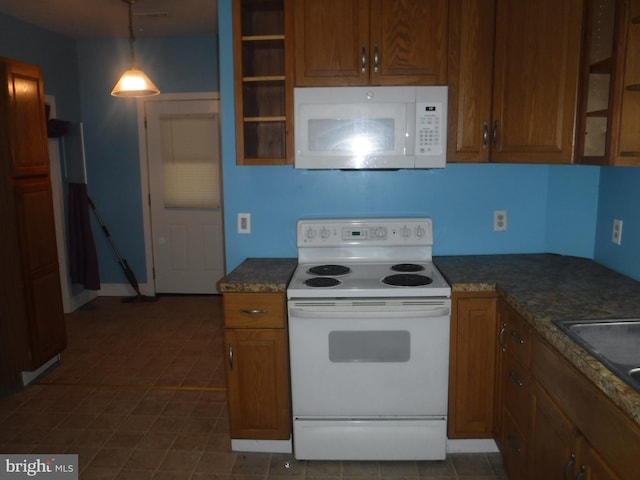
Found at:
(352, 136)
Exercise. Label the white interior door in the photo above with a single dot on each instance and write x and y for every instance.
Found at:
(185, 195)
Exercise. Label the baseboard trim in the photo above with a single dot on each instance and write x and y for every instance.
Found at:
(472, 445)
(262, 446)
(125, 290)
(28, 377)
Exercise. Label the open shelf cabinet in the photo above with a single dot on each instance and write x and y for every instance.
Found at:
(263, 82)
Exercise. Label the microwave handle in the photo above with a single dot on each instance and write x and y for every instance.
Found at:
(363, 59)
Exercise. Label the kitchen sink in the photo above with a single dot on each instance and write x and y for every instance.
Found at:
(616, 343)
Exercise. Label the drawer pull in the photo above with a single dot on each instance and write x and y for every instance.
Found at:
(230, 357)
(516, 337)
(568, 467)
(255, 311)
(514, 379)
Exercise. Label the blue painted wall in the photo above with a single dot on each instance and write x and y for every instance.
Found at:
(176, 65)
(619, 198)
(54, 54)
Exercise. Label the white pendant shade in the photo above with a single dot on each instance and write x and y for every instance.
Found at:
(134, 83)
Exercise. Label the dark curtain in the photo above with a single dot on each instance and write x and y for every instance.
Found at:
(83, 258)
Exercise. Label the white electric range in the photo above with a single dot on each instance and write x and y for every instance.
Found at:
(369, 319)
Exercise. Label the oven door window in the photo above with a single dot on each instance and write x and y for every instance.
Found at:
(385, 346)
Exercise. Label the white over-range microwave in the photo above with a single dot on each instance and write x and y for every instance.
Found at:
(370, 127)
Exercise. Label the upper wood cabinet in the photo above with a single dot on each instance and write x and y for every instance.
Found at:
(608, 130)
(27, 124)
(525, 111)
(370, 42)
(263, 64)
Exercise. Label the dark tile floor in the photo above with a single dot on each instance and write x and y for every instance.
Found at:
(139, 394)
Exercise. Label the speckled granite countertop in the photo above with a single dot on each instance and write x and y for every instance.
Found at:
(546, 287)
(259, 275)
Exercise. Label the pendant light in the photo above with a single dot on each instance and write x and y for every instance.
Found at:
(133, 82)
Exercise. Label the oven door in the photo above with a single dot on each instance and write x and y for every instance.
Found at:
(369, 358)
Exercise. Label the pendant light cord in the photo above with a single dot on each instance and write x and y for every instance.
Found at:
(132, 35)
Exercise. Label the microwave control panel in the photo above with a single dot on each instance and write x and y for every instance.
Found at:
(429, 128)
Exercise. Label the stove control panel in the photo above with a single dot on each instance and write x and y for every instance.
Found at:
(365, 232)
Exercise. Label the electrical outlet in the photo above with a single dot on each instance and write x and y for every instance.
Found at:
(500, 221)
(616, 235)
(244, 223)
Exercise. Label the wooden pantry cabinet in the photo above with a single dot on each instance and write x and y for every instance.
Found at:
(608, 131)
(513, 80)
(32, 328)
(370, 42)
(257, 365)
(472, 365)
(263, 70)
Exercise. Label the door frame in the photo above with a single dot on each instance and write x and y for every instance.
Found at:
(149, 287)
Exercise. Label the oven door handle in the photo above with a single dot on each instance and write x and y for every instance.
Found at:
(330, 313)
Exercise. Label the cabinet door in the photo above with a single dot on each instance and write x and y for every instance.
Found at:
(258, 383)
(536, 72)
(470, 78)
(627, 140)
(26, 119)
(43, 297)
(593, 465)
(502, 314)
(408, 44)
(331, 42)
(472, 368)
(553, 439)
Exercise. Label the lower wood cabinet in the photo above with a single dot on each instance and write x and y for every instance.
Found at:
(551, 421)
(513, 391)
(558, 450)
(472, 365)
(257, 365)
(577, 432)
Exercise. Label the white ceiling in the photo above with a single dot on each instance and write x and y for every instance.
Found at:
(109, 18)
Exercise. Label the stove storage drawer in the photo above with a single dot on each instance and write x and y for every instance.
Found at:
(254, 310)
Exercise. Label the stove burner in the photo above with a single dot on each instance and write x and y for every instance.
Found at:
(329, 270)
(407, 280)
(407, 267)
(322, 282)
